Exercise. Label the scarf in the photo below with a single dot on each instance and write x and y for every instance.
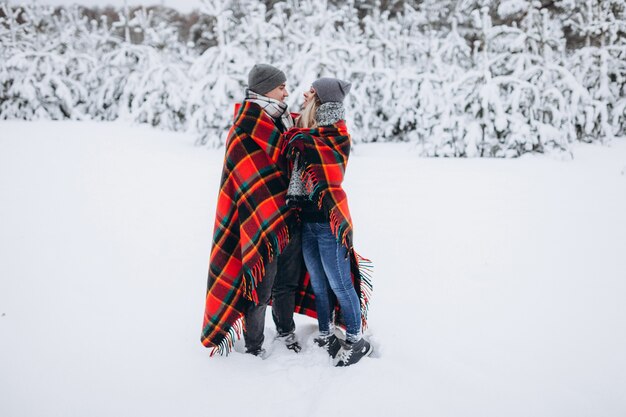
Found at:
(251, 226)
(329, 113)
(324, 152)
(274, 108)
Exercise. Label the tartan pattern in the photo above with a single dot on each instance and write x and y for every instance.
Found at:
(251, 226)
(324, 151)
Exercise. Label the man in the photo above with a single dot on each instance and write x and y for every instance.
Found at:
(256, 254)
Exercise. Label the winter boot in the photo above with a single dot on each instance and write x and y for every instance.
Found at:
(331, 344)
(351, 353)
(260, 352)
(290, 341)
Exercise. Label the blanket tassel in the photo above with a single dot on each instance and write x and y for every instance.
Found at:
(227, 343)
(366, 269)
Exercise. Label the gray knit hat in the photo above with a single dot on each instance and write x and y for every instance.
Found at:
(263, 78)
(331, 89)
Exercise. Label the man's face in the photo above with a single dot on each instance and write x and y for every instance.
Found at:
(280, 93)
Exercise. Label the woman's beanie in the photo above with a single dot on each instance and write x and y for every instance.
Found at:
(331, 89)
(263, 78)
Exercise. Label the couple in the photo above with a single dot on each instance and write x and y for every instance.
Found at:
(283, 231)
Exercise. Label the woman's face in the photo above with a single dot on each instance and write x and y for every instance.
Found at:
(308, 96)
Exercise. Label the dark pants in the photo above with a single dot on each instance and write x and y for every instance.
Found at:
(279, 284)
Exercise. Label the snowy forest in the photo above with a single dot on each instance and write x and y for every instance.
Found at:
(466, 78)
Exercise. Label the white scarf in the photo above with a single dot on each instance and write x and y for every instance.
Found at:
(274, 108)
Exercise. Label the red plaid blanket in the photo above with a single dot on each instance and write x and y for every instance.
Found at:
(324, 151)
(252, 226)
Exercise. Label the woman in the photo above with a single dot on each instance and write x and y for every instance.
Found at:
(319, 148)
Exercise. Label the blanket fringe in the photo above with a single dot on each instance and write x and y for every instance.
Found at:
(312, 184)
(251, 279)
(275, 244)
(339, 228)
(227, 343)
(366, 270)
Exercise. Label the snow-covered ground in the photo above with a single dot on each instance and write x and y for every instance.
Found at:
(499, 286)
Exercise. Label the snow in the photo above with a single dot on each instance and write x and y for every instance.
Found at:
(508, 8)
(498, 289)
(182, 5)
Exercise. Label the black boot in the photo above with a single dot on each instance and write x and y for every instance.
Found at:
(330, 343)
(260, 352)
(290, 341)
(351, 353)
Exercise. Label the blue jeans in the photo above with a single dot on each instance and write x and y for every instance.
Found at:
(329, 268)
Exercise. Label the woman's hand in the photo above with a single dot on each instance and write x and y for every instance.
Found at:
(295, 138)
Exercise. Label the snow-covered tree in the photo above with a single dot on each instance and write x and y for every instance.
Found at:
(457, 77)
(599, 65)
(41, 77)
(218, 77)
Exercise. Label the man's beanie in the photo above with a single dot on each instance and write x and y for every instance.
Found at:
(331, 89)
(263, 78)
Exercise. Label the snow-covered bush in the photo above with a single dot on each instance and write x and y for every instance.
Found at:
(599, 66)
(456, 77)
(37, 86)
(160, 96)
(117, 80)
(39, 78)
(217, 76)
